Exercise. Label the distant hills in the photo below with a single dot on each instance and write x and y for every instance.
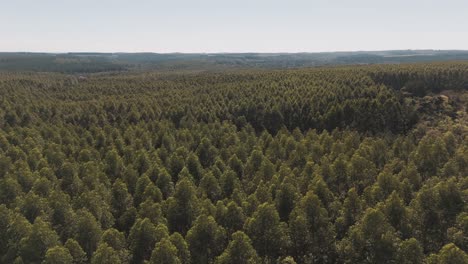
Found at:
(91, 62)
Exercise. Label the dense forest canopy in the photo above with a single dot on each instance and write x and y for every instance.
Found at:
(349, 164)
(89, 62)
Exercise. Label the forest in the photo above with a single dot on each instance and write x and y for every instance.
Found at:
(93, 62)
(335, 164)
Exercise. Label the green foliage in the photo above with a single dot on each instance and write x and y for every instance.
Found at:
(267, 233)
(77, 253)
(57, 255)
(87, 232)
(143, 236)
(105, 254)
(360, 164)
(448, 254)
(183, 252)
(410, 252)
(33, 248)
(165, 253)
(206, 239)
(239, 251)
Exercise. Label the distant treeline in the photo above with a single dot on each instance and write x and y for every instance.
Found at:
(107, 62)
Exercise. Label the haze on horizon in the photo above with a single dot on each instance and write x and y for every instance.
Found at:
(209, 26)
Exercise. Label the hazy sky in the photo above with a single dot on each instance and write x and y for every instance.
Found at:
(232, 26)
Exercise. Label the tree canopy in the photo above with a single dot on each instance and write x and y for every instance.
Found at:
(355, 164)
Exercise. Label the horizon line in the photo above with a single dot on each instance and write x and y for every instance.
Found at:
(227, 52)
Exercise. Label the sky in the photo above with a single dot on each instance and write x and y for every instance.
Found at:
(231, 26)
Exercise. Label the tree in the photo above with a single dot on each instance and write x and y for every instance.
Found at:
(397, 214)
(34, 247)
(360, 172)
(431, 153)
(206, 239)
(194, 166)
(121, 200)
(175, 165)
(164, 253)
(87, 231)
(142, 238)
(372, 240)
(234, 218)
(285, 199)
(62, 213)
(33, 206)
(410, 252)
(141, 163)
(183, 251)
(19, 229)
(58, 255)
(206, 152)
(9, 190)
(77, 253)
(114, 164)
(5, 220)
(317, 238)
(183, 207)
(239, 251)
(152, 211)
(165, 184)
(253, 163)
(142, 183)
(228, 182)
(105, 255)
(266, 231)
(210, 186)
(434, 210)
(116, 240)
(449, 254)
(236, 165)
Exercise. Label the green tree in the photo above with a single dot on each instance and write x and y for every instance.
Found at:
(372, 240)
(206, 152)
(410, 252)
(183, 207)
(5, 220)
(165, 184)
(236, 165)
(58, 255)
(194, 166)
(183, 251)
(448, 254)
(234, 218)
(210, 187)
(34, 247)
(105, 255)
(121, 200)
(116, 240)
(266, 231)
(206, 239)
(228, 182)
(142, 238)
(239, 251)
(318, 235)
(114, 164)
(164, 253)
(285, 199)
(87, 231)
(397, 214)
(77, 253)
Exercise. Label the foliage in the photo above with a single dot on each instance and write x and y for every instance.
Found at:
(360, 164)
